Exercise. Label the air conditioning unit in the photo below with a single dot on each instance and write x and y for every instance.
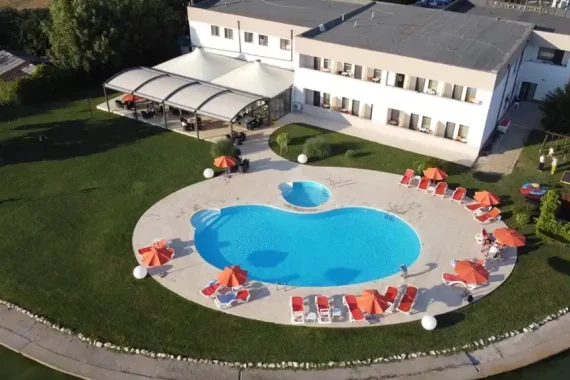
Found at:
(297, 107)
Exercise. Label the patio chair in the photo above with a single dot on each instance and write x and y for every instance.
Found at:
(390, 294)
(323, 309)
(423, 184)
(440, 189)
(408, 300)
(450, 279)
(407, 178)
(482, 236)
(297, 309)
(489, 217)
(477, 207)
(458, 194)
(210, 290)
(119, 104)
(354, 313)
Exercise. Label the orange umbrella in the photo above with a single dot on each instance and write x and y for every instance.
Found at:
(131, 98)
(435, 174)
(154, 257)
(225, 162)
(232, 277)
(471, 272)
(372, 302)
(509, 237)
(487, 198)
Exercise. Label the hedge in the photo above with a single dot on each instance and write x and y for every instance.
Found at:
(548, 227)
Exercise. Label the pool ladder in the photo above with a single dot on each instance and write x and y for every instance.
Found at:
(282, 284)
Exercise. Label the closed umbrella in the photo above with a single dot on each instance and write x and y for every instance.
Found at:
(372, 302)
(471, 272)
(225, 162)
(487, 198)
(509, 237)
(232, 277)
(435, 174)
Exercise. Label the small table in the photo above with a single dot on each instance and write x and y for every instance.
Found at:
(336, 312)
(311, 317)
(376, 80)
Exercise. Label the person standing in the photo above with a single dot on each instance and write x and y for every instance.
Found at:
(550, 152)
(541, 163)
(554, 164)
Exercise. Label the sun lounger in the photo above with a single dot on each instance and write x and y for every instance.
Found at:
(354, 313)
(489, 217)
(297, 309)
(407, 178)
(423, 184)
(440, 189)
(210, 290)
(233, 298)
(390, 294)
(323, 309)
(450, 279)
(458, 194)
(482, 236)
(408, 300)
(477, 207)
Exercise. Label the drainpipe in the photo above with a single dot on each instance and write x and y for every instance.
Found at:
(519, 69)
(239, 35)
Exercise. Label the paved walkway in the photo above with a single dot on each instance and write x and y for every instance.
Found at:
(188, 272)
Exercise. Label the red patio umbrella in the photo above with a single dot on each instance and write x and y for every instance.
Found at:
(372, 302)
(131, 98)
(232, 277)
(154, 257)
(509, 237)
(486, 198)
(225, 162)
(471, 272)
(435, 174)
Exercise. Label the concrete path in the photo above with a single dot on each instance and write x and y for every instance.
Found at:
(505, 154)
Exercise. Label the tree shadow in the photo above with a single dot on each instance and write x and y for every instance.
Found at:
(72, 138)
(9, 200)
(429, 268)
(449, 319)
(266, 259)
(341, 276)
(560, 265)
(489, 177)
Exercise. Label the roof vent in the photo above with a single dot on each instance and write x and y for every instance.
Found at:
(372, 17)
(322, 27)
(355, 23)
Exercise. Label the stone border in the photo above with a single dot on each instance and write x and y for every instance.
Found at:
(477, 344)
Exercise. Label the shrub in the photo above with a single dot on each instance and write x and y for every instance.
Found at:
(349, 154)
(522, 218)
(223, 147)
(431, 162)
(548, 227)
(317, 147)
(283, 140)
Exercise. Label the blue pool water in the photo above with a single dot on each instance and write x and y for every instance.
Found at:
(305, 193)
(339, 247)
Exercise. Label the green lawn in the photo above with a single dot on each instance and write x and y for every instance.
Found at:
(68, 206)
(14, 366)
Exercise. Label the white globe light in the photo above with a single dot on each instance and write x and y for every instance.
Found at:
(140, 272)
(302, 158)
(208, 173)
(429, 322)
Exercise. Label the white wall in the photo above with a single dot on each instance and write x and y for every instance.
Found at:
(383, 97)
(272, 54)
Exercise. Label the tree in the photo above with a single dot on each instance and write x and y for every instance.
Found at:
(556, 110)
(283, 140)
(108, 35)
(223, 147)
(22, 30)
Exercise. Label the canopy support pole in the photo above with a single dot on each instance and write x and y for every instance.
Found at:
(164, 113)
(135, 106)
(106, 99)
(196, 125)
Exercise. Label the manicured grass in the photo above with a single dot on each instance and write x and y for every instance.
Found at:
(14, 366)
(68, 206)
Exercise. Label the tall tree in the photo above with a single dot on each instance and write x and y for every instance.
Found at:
(556, 110)
(104, 35)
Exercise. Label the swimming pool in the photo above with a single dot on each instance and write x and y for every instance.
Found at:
(338, 247)
(305, 193)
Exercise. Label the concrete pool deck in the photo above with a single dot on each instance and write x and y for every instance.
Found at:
(434, 219)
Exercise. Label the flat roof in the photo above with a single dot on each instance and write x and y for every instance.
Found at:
(473, 42)
(558, 22)
(307, 13)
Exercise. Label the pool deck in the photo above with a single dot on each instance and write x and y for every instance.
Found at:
(445, 228)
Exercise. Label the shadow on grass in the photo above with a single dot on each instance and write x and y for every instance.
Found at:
(489, 177)
(560, 265)
(449, 319)
(71, 138)
(9, 200)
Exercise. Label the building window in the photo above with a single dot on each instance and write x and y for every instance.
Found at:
(426, 124)
(316, 98)
(316, 63)
(345, 104)
(348, 68)
(215, 30)
(400, 80)
(449, 130)
(457, 92)
(327, 64)
(420, 84)
(326, 100)
(462, 133)
(394, 118)
(377, 75)
(550, 55)
(414, 121)
(432, 87)
(248, 37)
(263, 40)
(356, 107)
(285, 44)
(229, 33)
(471, 94)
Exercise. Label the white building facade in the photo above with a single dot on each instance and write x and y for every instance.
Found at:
(455, 107)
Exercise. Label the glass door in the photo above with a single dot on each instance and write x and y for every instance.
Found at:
(449, 130)
(356, 107)
(414, 120)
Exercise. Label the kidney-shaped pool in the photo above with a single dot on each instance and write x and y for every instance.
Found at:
(339, 247)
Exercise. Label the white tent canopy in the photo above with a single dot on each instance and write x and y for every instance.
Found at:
(262, 79)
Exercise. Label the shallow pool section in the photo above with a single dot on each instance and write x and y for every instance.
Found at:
(305, 193)
(339, 247)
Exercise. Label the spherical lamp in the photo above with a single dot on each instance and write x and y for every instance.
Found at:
(140, 272)
(302, 158)
(208, 173)
(429, 322)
